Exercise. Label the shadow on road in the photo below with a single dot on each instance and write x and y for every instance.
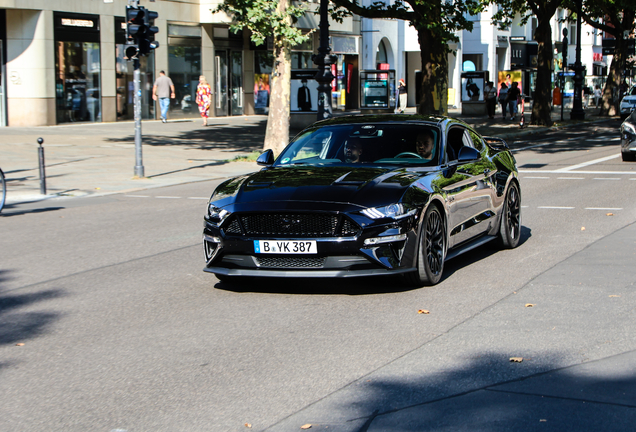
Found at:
(532, 396)
(16, 326)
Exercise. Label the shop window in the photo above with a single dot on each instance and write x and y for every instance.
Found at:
(78, 92)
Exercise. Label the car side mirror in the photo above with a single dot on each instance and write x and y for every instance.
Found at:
(468, 154)
(266, 158)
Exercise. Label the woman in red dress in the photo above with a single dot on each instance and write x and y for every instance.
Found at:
(204, 98)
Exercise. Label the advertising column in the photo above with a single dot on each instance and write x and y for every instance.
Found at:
(77, 68)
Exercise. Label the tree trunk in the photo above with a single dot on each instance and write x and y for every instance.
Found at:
(541, 107)
(611, 98)
(277, 132)
(434, 74)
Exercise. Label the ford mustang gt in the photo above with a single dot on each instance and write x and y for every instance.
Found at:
(364, 196)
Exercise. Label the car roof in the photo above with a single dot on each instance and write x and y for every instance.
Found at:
(386, 118)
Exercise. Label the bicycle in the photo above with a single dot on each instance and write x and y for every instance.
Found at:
(3, 190)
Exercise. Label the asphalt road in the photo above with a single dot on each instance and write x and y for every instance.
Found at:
(108, 323)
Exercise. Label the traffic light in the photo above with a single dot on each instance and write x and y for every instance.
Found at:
(147, 41)
(134, 29)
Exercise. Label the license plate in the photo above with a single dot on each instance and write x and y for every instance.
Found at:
(285, 246)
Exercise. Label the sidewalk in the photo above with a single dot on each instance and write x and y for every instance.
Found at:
(99, 158)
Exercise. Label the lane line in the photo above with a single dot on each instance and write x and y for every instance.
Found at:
(168, 197)
(575, 172)
(592, 162)
(603, 208)
(570, 178)
(556, 207)
(606, 178)
(198, 198)
(528, 177)
(137, 196)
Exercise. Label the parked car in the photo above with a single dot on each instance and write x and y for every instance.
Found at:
(363, 196)
(628, 103)
(628, 138)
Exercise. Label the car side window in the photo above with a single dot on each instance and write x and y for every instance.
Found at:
(454, 142)
(477, 141)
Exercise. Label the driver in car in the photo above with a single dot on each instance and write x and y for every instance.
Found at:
(424, 144)
(353, 150)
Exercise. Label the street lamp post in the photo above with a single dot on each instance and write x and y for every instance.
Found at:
(324, 60)
(577, 106)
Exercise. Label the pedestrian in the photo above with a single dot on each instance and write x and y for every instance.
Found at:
(402, 95)
(164, 91)
(491, 98)
(204, 98)
(597, 96)
(304, 97)
(513, 99)
(503, 98)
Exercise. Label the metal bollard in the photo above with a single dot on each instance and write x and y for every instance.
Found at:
(41, 163)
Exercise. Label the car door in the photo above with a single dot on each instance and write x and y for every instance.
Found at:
(469, 189)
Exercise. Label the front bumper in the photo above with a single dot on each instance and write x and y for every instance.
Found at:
(234, 255)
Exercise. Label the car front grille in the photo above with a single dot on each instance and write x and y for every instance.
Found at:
(290, 262)
(293, 225)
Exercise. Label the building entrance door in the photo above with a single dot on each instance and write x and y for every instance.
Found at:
(3, 117)
(228, 75)
(220, 87)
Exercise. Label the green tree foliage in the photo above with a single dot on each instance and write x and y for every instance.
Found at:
(436, 22)
(615, 17)
(273, 19)
(543, 10)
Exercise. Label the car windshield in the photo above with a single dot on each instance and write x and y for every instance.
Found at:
(401, 144)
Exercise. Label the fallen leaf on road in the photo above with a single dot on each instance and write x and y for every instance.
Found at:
(248, 425)
(423, 311)
(306, 426)
(614, 295)
(530, 304)
(516, 359)
(582, 228)
(609, 214)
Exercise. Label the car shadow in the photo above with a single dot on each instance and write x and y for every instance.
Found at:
(357, 286)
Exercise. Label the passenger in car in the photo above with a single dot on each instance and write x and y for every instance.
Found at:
(424, 144)
(353, 150)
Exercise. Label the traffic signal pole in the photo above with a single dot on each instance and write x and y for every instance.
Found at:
(139, 164)
(140, 41)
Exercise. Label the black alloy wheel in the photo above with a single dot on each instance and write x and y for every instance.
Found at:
(431, 251)
(510, 230)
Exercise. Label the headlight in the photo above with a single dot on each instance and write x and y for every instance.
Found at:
(217, 215)
(395, 211)
(629, 128)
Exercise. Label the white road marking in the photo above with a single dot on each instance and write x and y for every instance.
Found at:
(603, 208)
(137, 196)
(606, 178)
(575, 172)
(556, 207)
(168, 197)
(199, 198)
(528, 177)
(570, 178)
(592, 162)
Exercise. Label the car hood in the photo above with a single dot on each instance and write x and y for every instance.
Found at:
(361, 186)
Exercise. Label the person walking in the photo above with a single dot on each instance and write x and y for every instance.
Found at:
(491, 98)
(402, 95)
(204, 98)
(597, 96)
(503, 98)
(164, 91)
(513, 96)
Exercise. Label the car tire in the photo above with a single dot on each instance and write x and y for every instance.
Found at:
(510, 227)
(628, 156)
(431, 251)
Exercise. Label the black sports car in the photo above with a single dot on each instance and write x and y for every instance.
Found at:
(366, 195)
(628, 138)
